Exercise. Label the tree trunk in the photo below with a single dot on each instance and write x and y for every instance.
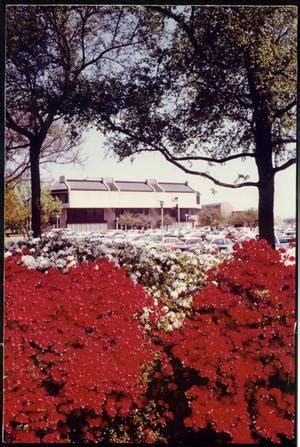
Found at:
(36, 209)
(263, 158)
(266, 208)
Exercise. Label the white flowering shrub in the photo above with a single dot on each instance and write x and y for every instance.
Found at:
(289, 255)
(171, 277)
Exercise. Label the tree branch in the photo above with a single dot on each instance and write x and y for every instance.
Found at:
(12, 148)
(283, 141)
(188, 30)
(285, 165)
(169, 157)
(13, 176)
(10, 123)
(204, 174)
(116, 47)
(285, 109)
(214, 160)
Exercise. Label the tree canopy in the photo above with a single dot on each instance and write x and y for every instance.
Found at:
(53, 55)
(215, 84)
(199, 84)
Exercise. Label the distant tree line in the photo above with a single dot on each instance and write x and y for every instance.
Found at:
(211, 218)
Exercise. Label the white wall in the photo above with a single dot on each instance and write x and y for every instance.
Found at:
(124, 199)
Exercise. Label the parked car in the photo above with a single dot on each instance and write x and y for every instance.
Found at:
(140, 240)
(221, 244)
(214, 234)
(191, 244)
(173, 243)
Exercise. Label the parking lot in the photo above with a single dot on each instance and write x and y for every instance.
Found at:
(186, 239)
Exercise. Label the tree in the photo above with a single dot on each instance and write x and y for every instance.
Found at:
(17, 214)
(213, 85)
(18, 206)
(57, 147)
(168, 220)
(208, 218)
(247, 217)
(127, 219)
(51, 208)
(53, 52)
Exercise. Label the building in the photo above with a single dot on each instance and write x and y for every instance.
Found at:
(223, 209)
(96, 204)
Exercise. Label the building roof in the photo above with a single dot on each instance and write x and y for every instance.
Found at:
(59, 187)
(175, 187)
(122, 185)
(87, 185)
(133, 186)
(111, 186)
(156, 187)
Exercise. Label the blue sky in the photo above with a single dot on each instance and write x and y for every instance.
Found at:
(98, 165)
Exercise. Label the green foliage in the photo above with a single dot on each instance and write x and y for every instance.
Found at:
(168, 220)
(192, 93)
(247, 217)
(51, 207)
(141, 220)
(136, 220)
(53, 55)
(17, 213)
(213, 84)
(18, 208)
(207, 217)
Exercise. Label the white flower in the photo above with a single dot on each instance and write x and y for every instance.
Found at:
(29, 261)
(72, 263)
(174, 294)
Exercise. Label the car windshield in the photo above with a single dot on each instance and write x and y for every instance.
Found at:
(175, 240)
(155, 239)
(193, 241)
(218, 241)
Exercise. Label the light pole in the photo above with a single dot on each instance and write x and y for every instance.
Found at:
(162, 220)
(117, 223)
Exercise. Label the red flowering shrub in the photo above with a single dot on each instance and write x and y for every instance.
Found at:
(79, 367)
(75, 352)
(234, 358)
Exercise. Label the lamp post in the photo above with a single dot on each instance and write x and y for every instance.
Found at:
(117, 223)
(176, 200)
(162, 220)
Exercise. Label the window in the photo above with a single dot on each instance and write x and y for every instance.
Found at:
(85, 215)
